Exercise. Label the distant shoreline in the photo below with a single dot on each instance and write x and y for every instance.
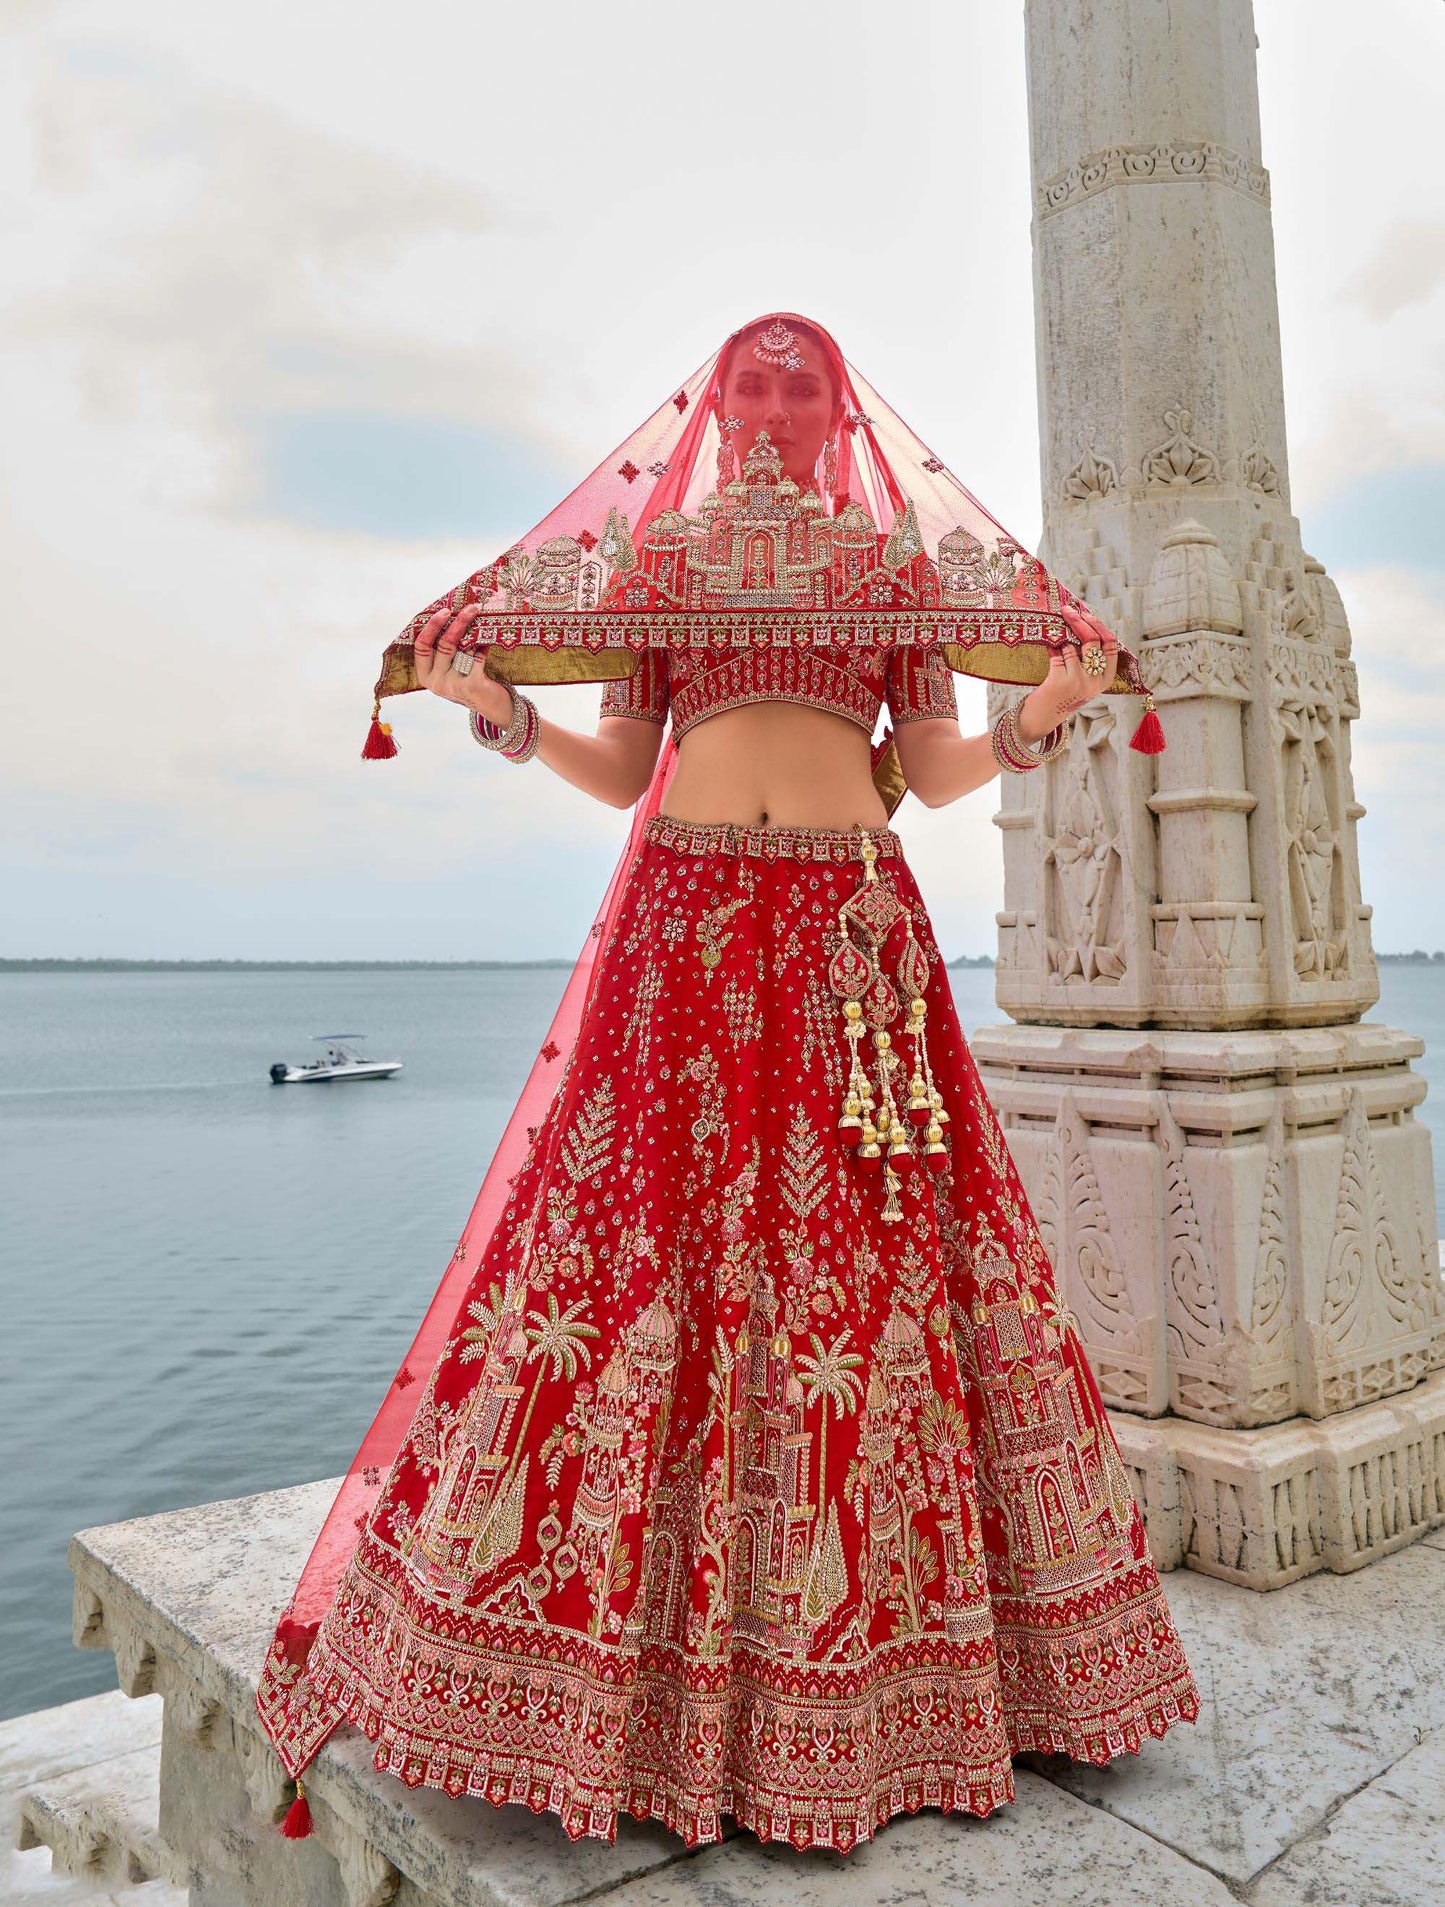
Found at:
(1415, 959)
(328, 966)
(270, 966)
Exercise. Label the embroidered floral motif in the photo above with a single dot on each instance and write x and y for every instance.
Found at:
(723, 1496)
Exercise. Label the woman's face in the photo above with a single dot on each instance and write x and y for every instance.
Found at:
(795, 407)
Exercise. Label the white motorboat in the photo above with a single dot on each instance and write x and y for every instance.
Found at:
(339, 1063)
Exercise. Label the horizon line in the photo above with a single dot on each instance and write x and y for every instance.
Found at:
(105, 963)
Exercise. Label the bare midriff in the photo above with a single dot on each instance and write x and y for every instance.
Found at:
(775, 764)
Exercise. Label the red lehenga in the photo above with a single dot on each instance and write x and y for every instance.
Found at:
(747, 1462)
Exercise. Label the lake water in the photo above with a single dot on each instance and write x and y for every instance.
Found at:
(208, 1282)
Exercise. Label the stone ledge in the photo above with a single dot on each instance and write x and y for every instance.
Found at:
(100, 1823)
(1179, 1057)
(1265, 1507)
(74, 1747)
(1309, 1695)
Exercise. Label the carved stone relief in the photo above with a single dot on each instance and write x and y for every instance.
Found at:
(1257, 472)
(1271, 1395)
(1179, 462)
(1157, 162)
(1076, 1233)
(367, 1875)
(1314, 863)
(1180, 666)
(1296, 613)
(1193, 1320)
(1369, 1339)
(1190, 586)
(1301, 672)
(1083, 861)
(1207, 937)
(1091, 477)
(1329, 605)
(271, 1792)
(195, 1712)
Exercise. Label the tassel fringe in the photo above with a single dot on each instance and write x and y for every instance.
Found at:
(379, 745)
(297, 1824)
(1149, 735)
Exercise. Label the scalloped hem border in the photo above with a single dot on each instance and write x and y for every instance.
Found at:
(794, 1821)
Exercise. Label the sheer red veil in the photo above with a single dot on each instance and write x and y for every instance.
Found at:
(689, 535)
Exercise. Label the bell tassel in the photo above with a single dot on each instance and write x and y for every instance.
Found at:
(379, 745)
(1148, 737)
(297, 1824)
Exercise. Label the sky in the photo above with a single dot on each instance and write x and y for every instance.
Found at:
(310, 309)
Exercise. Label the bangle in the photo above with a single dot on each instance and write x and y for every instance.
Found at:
(489, 735)
(531, 735)
(1012, 752)
(1052, 745)
(518, 740)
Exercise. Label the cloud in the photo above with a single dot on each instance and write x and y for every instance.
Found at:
(1407, 268)
(309, 309)
(205, 258)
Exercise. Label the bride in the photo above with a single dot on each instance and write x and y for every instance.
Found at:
(754, 1466)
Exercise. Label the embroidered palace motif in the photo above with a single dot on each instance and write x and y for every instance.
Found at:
(726, 1497)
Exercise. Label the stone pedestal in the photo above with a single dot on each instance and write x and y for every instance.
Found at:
(1244, 1229)
(1227, 1169)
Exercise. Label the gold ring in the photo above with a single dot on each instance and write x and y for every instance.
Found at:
(1094, 662)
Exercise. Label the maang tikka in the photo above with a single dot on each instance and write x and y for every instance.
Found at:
(872, 1124)
(778, 346)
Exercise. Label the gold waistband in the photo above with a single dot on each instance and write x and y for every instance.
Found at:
(836, 845)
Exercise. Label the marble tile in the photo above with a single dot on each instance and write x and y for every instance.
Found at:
(1384, 1848)
(1308, 1692)
(1046, 1850)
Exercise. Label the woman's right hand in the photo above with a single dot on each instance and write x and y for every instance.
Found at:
(436, 645)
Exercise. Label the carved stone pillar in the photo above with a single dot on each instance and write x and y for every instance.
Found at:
(1231, 1178)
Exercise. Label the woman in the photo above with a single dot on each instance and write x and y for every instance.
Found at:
(760, 1470)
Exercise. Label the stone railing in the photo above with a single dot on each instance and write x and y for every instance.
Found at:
(1300, 1782)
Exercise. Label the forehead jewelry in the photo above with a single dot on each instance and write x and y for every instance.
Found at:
(778, 346)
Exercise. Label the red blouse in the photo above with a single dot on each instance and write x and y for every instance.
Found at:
(916, 683)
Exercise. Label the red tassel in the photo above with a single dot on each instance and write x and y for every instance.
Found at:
(297, 1824)
(379, 745)
(1149, 735)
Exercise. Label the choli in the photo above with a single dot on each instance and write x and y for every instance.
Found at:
(917, 685)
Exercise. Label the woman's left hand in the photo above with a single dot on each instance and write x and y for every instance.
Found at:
(1071, 682)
